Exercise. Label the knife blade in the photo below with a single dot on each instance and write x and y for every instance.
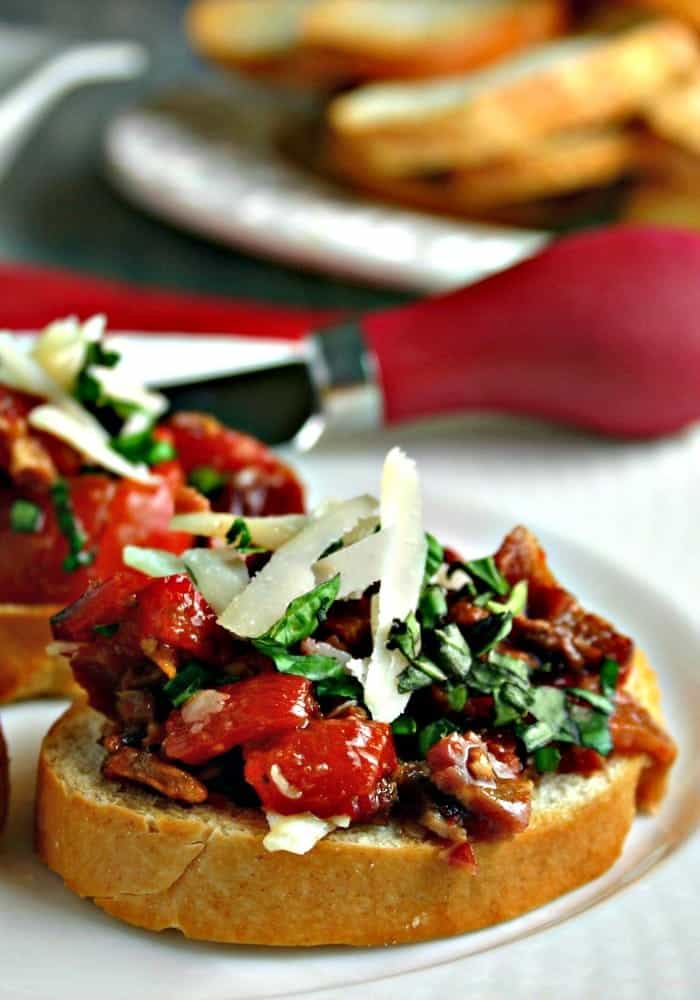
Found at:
(599, 331)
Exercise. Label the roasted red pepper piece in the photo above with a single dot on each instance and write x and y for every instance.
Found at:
(333, 767)
(259, 708)
(103, 604)
(170, 611)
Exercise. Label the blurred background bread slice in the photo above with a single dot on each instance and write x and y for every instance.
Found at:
(689, 10)
(405, 129)
(559, 164)
(332, 42)
(675, 114)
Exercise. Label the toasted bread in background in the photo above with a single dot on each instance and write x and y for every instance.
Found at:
(408, 129)
(663, 204)
(689, 10)
(26, 669)
(4, 780)
(559, 164)
(204, 871)
(329, 42)
(674, 114)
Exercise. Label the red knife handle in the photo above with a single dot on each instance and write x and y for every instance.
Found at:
(601, 330)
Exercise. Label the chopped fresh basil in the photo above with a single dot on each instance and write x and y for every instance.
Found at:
(468, 587)
(405, 636)
(486, 571)
(547, 759)
(87, 389)
(593, 699)
(412, 679)
(77, 556)
(593, 729)
(485, 599)
(333, 547)
(26, 517)
(339, 687)
(434, 557)
(206, 479)
(433, 732)
(432, 606)
(457, 696)
(609, 672)
(405, 725)
(186, 682)
(451, 651)
(515, 603)
(106, 630)
(96, 354)
(484, 634)
(549, 708)
(238, 534)
(535, 736)
(143, 447)
(303, 616)
(314, 668)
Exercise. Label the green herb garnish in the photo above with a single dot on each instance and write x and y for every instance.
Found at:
(26, 517)
(206, 479)
(609, 672)
(432, 606)
(593, 699)
(515, 603)
(433, 732)
(302, 617)
(451, 651)
(434, 557)
(77, 556)
(106, 630)
(457, 696)
(335, 546)
(405, 725)
(238, 534)
(189, 680)
(486, 571)
(547, 759)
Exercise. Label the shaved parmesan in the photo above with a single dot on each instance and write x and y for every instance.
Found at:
(288, 574)
(84, 438)
(117, 385)
(359, 565)
(19, 371)
(298, 834)
(218, 574)
(266, 532)
(61, 349)
(401, 580)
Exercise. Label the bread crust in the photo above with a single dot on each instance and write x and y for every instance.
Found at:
(26, 669)
(205, 872)
(611, 81)
(323, 50)
(559, 165)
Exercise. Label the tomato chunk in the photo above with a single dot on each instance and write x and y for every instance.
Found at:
(172, 612)
(103, 604)
(255, 481)
(259, 708)
(333, 767)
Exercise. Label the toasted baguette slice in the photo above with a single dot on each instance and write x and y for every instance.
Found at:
(26, 669)
(689, 10)
(404, 129)
(204, 871)
(675, 115)
(329, 41)
(567, 162)
(4, 780)
(383, 39)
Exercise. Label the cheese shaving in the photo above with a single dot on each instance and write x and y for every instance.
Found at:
(61, 349)
(83, 437)
(218, 574)
(401, 580)
(267, 532)
(298, 834)
(288, 574)
(360, 565)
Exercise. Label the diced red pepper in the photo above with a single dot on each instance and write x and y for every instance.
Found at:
(103, 604)
(170, 611)
(333, 767)
(259, 708)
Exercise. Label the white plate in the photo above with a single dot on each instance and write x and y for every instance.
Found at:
(637, 942)
(211, 164)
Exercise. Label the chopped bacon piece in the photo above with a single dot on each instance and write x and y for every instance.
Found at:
(521, 557)
(634, 731)
(260, 708)
(333, 767)
(497, 800)
(147, 769)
